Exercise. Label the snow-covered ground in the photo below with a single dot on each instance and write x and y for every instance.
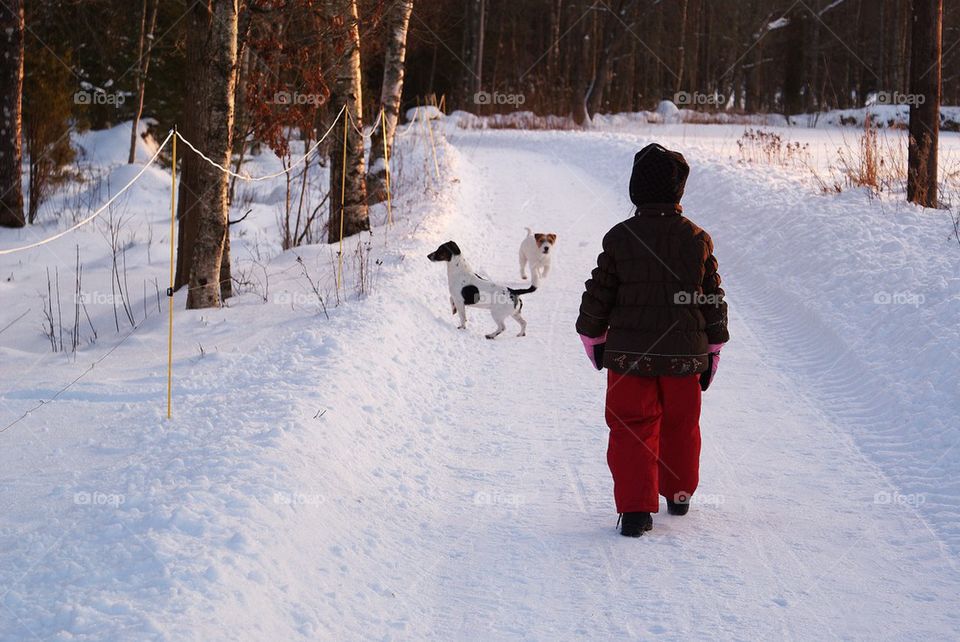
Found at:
(379, 474)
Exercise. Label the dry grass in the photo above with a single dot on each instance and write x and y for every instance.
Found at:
(769, 148)
(875, 162)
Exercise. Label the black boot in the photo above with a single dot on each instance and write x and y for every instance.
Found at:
(679, 507)
(635, 524)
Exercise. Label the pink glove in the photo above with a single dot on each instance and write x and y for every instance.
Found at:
(594, 349)
(713, 362)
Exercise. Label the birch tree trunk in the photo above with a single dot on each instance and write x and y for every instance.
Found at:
(925, 88)
(11, 95)
(147, 27)
(390, 93)
(349, 186)
(213, 46)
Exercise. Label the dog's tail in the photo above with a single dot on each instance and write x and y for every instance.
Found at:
(514, 292)
(529, 231)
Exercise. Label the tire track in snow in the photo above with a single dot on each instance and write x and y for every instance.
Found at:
(767, 600)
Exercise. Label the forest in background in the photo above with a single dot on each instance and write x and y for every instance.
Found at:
(562, 56)
(235, 75)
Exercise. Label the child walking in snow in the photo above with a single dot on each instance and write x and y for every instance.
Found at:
(653, 314)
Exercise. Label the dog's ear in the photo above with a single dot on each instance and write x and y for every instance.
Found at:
(452, 247)
(552, 238)
(538, 238)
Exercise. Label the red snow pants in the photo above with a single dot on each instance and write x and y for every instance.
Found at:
(654, 444)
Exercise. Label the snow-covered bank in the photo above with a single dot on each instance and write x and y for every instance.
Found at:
(119, 524)
(383, 475)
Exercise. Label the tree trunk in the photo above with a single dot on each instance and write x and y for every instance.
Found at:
(585, 69)
(812, 99)
(793, 65)
(925, 86)
(472, 51)
(681, 61)
(11, 95)
(481, 30)
(147, 27)
(553, 52)
(212, 44)
(390, 93)
(226, 276)
(351, 189)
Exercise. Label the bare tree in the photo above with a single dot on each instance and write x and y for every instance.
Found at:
(147, 26)
(473, 37)
(212, 44)
(390, 93)
(11, 96)
(925, 82)
(349, 186)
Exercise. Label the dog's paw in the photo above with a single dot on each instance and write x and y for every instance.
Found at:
(522, 334)
(523, 276)
(490, 336)
(461, 327)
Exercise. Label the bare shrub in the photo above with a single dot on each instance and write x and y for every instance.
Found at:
(313, 286)
(769, 148)
(872, 161)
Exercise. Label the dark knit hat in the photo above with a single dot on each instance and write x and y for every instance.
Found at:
(659, 176)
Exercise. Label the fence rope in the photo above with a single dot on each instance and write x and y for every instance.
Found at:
(99, 211)
(254, 179)
(171, 134)
(359, 130)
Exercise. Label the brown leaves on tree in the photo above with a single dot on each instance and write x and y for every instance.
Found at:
(285, 88)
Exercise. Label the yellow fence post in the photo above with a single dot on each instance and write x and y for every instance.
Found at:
(173, 217)
(386, 161)
(343, 196)
(433, 147)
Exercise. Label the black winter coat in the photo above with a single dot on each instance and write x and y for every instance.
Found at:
(656, 292)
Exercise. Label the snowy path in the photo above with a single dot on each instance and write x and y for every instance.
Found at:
(770, 550)
(442, 486)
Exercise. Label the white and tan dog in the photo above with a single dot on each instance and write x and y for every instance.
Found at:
(535, 250)
(469, 288)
